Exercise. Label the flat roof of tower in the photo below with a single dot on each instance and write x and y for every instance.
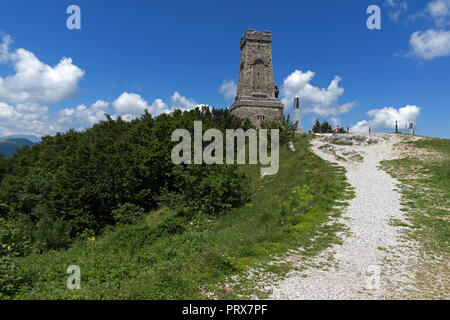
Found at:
(253, 35)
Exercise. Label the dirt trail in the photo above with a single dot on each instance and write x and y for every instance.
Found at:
(373, 262)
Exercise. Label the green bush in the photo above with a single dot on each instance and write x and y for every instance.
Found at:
(128, 213)
(10, 278)
(81, 182)
(171, 226)
(15, 234)
(52, 233)
(209, 189)
(285, 125)
(12, 245)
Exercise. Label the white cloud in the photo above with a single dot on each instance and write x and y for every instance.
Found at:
(395, 9)
(25, 118)
(81, 116)
(385, 118)
(100, 104)
(32, 118)
(228, 89)
(158, 106)
(130, 104)
(439, 10)
(4, 48)
(181, 102)
(430, 44)
(321, 101)
(34, 80)
(33, 83)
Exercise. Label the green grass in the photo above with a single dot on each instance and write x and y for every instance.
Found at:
(425, 188)
(339, 142)
(174, 257)
(441, 145)
(356, 157)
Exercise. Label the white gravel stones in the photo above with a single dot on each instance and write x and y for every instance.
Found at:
(359, 269)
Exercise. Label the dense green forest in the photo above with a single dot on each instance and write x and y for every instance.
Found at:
(73, 185)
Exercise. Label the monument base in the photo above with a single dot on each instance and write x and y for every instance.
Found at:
(257, 110)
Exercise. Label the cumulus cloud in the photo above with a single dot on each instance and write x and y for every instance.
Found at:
(321, 101)
(31, 85)
(24, 93)
(4, 48)
(434, 42)
(385, 118)
(395, 8)
(430, 44)
(130, 104)
(158, 107)
(82, 116)
(183, 103)
(33, 118)
(34, 80)
(439, 10)
(228, 89)
(25, 118)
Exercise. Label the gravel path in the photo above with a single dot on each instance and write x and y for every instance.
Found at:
(373, 262)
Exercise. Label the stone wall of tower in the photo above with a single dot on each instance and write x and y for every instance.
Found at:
(255, 48)
(255, 97)
(257, 114)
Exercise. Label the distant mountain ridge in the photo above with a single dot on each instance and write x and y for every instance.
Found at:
(31, 138)
(10, 145)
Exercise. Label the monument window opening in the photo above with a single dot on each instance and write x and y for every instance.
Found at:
(258, 71)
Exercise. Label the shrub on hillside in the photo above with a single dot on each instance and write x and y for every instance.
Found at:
(76, 183)
(12, 245)
(52, 233)
(16, 236)
(10, 278)
(210, 189)
(128, 213)
(285, 125)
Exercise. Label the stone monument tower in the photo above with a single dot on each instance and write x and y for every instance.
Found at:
(257, 95)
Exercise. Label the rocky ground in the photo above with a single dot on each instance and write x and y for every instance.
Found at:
(374, 261)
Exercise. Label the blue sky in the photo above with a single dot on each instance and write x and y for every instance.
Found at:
(132, 55)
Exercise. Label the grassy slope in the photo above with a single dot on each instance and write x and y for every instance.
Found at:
(426, 196)
(170, 257)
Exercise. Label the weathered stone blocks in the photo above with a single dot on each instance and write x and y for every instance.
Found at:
(255, 97)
